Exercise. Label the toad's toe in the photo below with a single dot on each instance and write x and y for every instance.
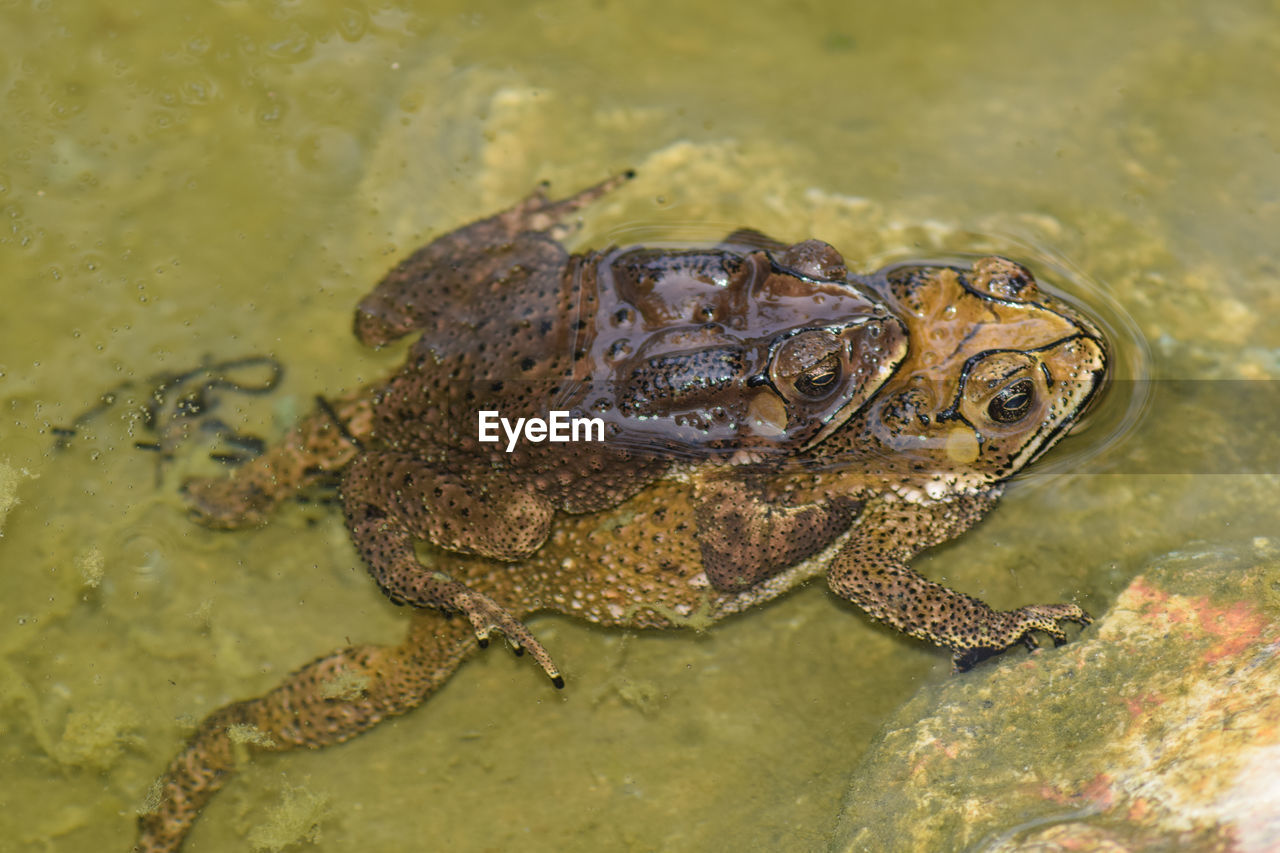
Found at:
(488, 616)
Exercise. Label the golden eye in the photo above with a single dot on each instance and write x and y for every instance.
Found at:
(1011, 404)
(818, 381)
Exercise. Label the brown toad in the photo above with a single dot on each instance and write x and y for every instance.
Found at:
(680, 356)
(770, 417)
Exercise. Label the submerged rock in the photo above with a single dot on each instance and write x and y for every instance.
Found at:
(1160, 729)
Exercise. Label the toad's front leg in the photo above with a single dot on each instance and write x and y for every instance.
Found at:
(871, 571)
(390, 499)
(326, 702)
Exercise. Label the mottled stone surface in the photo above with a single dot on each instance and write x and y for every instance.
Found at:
(1159, 729)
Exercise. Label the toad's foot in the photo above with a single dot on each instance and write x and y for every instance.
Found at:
(538, 213)
(324, 442)
(1004, 629)
(227, 503)
(487, 616)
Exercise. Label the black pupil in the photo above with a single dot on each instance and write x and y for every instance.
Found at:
(1012, 403)
(816, 382)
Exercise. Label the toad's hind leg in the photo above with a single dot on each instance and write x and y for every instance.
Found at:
(409, 296)
(326, 702)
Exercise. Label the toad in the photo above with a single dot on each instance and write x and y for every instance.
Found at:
(768, 417)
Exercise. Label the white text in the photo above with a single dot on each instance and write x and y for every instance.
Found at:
(558, 426)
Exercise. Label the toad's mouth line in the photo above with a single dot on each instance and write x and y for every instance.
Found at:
(1071, 423)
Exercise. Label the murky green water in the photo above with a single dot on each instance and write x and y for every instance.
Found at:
(179, 181)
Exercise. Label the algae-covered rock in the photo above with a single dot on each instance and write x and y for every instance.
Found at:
(1159, 729)
(295, 821)
(10, 478)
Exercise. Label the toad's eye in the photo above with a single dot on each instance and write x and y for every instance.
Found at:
(1011, 404)
(819, 380)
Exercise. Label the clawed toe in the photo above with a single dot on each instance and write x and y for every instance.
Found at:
(1010, 628)
(488, 616)
(543, 214)
(1048, 618)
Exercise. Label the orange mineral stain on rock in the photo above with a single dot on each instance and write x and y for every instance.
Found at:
(1232, 627)
(1139, 809)
(1140, 705)
(1099, 791)
(1237, 627)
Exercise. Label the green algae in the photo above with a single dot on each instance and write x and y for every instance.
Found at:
(292, 822)
(10, 480)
